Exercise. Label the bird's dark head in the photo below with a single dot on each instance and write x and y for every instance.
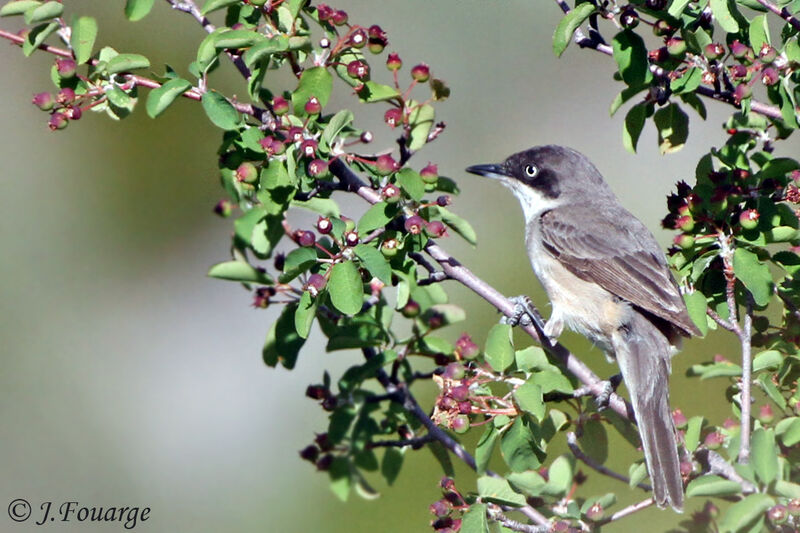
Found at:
(545, 176)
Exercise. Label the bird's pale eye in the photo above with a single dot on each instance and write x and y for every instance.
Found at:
(531, 171)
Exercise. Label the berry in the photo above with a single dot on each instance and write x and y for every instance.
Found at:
(43, 101)
(324, 12)
(247, 173)
(739, 50)
(339, 18)
(454, 371)
(65, 96)
(325, 462)
(739, 72)
(676, 47)
(310, 453)
(659, 55)
(430, 173)
(358, 39)
(460, 393)
(684, 241)
(325, 43)
(366, 137)
(280, 261)
(308, 148)
(318, 168)
(679, 419)
(224, 208)
(749, 219)
(316, 392)
(295, 134)
(351, 238)
(440, 508)
(414, 224)
(436, 229)
(777, 514)
(713, 51)
(377, 39)
(629, 18)
(714, 440)
(767, 54)
(66, 68)
(74, 112)
(280, 105)
(324, 225)
(393, 62)
(595, 512)
(389, 247)
(766, 414)
(349, 223)
(393, 117)
(685, 223)
(315, 284)
(305, 238)
(743, 90)
(662, 28)
(410, 310)
(460, 424)
(385, 165)
(770, 76)
(443, 201)
(313, 107)
(357, 69)
(421, 72)
(391, 193)
(465, 348)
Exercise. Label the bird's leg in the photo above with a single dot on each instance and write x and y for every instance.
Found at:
(609, 387)
(524, 314)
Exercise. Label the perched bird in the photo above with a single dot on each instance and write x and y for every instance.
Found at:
(607, 279)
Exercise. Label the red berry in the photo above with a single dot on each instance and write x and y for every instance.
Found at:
(357, 69)
(414, 224)
(43, 101)
(280, 105)
(317, 168)
(305, 238)
(315, 284)
(430, 173)
(351, 238)
(385, 165)
(743, 90)
(460, 393)
(391, 193)
(421, 72)
(393, 117)
(295, 134)
(313, 106)
(247, 173)
(436, 229)
(324, 225)
(358, 39)
(749, 219)
(339, 17)
(770, 76)
(324, 12)
(393, 62)
(308, 148)
(65, 96)
(66, 68)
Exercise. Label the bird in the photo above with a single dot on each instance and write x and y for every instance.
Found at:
(606, 278)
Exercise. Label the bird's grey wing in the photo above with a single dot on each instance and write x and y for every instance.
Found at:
(612, 248)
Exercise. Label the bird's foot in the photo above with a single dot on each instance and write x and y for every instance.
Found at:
(609, 387)
(524, 313)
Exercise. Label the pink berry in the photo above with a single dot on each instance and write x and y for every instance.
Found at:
(414, 224)
(421, 72)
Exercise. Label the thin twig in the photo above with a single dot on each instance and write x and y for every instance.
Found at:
(514, 525)
(714, 463)
(783, 13)
(416, 442)
(572, 442)
(747, 370)
(724, 324)
(622, 513)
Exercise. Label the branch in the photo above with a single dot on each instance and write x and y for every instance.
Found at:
(453, 268)
(725, 97)
(572, 442)
(622, 513)
(783, 13)
(498, 516)
(714, 463)
(747, 370)
(416, 442)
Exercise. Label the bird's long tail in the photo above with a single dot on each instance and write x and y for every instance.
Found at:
(643, 354)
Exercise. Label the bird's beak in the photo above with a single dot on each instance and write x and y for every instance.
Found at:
(489, 171)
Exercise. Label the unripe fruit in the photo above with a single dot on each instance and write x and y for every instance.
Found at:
(684, 241)
(679, 419)
(66, 68)
(767, 54)
(389, 247)
(313, 107)
(676, 47)
(315, 284)
(777, 514)
(770, 76)
(436, 229)
(421, 72)
(460, 424)
(440, 508)
(659, 55)
(713, 51)
(454, 371)
(443, 201)
(280, 105)
(224, 208)
(410, 310)
(258, 3)
(351, 238)
(308, 148)
(595, 512)
(714, 440)
(393, 117)
(65, 96)
(766, 414)
(685, 223)
(305, 238)
(794, 507)
(430, 173)
(749, 219)
(358, 39)
(391, 193)
(247, 173)
(74, 112)
(324, 225)
(465, 348)
(324, 12)
(377, 39)
(357, 69)
(662, 28)
(318, 168)
(385, 165)
(262, 296)
(43, 101)
(325, 462)
(310, 453)
(739, 50)
(739, 72)
(743, 90)
(339, 18)
(460, 393)
(393, 62)
(414, 224)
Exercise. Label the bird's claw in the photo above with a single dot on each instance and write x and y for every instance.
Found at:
(603, 399)
(524, 313)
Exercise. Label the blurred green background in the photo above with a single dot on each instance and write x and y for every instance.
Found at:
(129, 378)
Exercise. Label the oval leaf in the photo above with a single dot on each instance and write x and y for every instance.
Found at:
(126, 63)
(630, 53)
(346, 288)
(213, 5)
(160, 99)
(137, 9)
(712, 486)
(44, 12)
(722, 12)
(239, 271)
(84, 33)
(499, 351)
(18, 7)
(754, 274)
(567, 26)
(220, 111)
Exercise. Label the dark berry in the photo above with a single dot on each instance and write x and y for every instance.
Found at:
(393, 117)
(358, 39)
(443, 201)
(315, 284)
(308, 148)
(305, 238)
(357, 69)
(629, 18)
(318, 168)
(351, 238)
(324, 225)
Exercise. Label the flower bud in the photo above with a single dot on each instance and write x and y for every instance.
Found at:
(43, 101)
(313, 107)
(393, 117)
(385, 165)
(421, 72)
(247, 173)
(66, 68)
(393, 62)
(280, 105)
(414, 224)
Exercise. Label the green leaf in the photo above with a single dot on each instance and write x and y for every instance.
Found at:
(44, 12)
(623, 96)
(265, 48)
(421, 120)
(391, 464)
(474, 520)
(296, 262)
(696, 305)
(676, 8)
(687, 83)
(637, 472)
(741, 514)
(315, 81)
(283, 343)
(485, 448)
(305, 314)
(84, 33)
(239, 271)
(552, 380)
(633, 125)
(220, 111)
(788, 430)
(161, 98)
(530, 482)
(560, 476)
(630, 53)
(568, 24)
(377, 92)
(326, 207)
(137, 9)
(594, 440)
(758, 32)
(126, 63)
(673, 128)
(711, 485)
(37, 36)
(345, 288)
(787, 489)
(338, 122)
(459, 225)
(411, 182)
(764, 456)
(692, 437)
(207, 51)
(18, 7)
(341, 479)
(235, 39)
(722, 12)
(753, 274)
(499, 351)
(768, 359)
(376, 217)
(518, 447)
(497, 490)
(529, 398)
(375, 262)
(214, 5)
